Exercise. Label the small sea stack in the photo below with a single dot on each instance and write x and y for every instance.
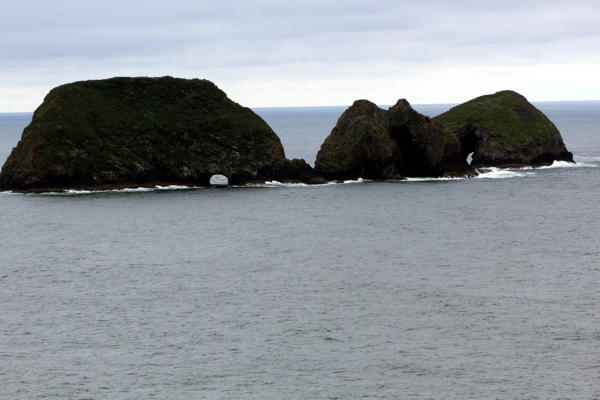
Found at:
(505, 130)
(129, 132)
(372, 143)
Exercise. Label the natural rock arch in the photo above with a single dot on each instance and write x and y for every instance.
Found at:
(219, 180)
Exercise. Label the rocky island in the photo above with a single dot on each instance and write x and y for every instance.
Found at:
(372, 143)
(131, 132)
(505, 130)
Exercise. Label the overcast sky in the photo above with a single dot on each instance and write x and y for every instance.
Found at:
(308, 52)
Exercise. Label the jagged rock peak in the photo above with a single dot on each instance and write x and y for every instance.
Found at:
(372, 143)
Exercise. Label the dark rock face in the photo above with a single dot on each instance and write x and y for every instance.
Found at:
(124, 132)
(505, 130)
(297, 171)
(372, 143)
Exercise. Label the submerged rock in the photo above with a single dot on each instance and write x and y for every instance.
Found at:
(124, 132)
(505, 130)
(372, 143)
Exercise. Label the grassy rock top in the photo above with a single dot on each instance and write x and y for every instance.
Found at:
(126, 131)
(504, 129)
(508, 114)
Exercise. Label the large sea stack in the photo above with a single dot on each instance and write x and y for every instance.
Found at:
(124, 132)
(505, 130)
(372, 143)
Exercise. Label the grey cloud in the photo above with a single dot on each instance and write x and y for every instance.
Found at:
(203, 34)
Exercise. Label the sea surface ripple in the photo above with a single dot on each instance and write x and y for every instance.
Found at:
(472, 288)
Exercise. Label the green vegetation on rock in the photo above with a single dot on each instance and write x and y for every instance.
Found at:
(504, 129)
(145, 131)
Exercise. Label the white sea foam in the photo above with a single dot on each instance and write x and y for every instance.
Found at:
(67, 193)
(270, 184)
(133, 190)
(299, 184)
(277, 183)
(484, 173)
(359, 180)
(177, 187)
(565, 164)
(124, 190)
(431, 179)
(499, 173)
(560, 164)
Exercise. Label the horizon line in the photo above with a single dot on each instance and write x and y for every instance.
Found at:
(348, 105)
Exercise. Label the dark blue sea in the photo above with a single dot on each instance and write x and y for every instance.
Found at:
(470, 288)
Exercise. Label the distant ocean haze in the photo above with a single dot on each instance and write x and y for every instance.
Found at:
(466, 288)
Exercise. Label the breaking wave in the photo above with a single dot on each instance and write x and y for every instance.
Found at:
(124, 190)
(484, 173)
(582, 163)
(500, 173)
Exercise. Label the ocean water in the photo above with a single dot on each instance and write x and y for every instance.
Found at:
(471, 288)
